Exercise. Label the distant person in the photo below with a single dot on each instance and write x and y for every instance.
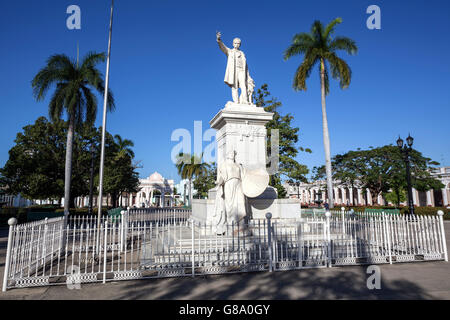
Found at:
(327, 207)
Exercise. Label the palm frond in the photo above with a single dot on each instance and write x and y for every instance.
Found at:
(92, 58)
(317, 32)
(329, 29)
(344, 43)
(304, 70)
(340, 70)
(56, 106)
(46, 78)
(111, 106)
(91, 105)
(316, 45)
(301, 43)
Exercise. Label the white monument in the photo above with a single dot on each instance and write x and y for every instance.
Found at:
(242, 190)
(237, 75)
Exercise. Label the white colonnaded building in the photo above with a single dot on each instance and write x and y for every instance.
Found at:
(309, 193)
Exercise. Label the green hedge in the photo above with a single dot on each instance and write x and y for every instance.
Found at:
(43, 208)
(7, 212)
(83, 211)
(37, 216)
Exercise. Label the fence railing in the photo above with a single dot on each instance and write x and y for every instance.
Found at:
(30, 247)
(139, 245)
(159, 215)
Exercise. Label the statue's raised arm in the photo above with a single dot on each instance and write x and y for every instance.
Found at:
(237, 75)
(221, 45)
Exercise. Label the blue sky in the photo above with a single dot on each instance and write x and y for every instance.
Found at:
(167, 70)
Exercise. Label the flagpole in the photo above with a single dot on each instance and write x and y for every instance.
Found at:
(105, 103)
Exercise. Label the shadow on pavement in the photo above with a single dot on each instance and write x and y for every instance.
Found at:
(302, 284)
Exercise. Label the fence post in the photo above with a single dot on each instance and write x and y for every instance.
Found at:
(122, 229)
(342, 217)
(126, 226)
(269, 239)
(105, 250)
(193, 248)
(328, 234)
(44, 243)
(444, 243)
(12, 222)
(388, 235)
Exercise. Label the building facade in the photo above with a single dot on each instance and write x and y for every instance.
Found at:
(309, 193)
(154, 191)
(14, 201)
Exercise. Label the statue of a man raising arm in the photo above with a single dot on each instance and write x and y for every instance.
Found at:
(236, 75)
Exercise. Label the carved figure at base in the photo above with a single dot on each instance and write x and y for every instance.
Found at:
(230, 206)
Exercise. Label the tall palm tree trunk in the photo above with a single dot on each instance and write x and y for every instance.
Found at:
(68, 173)
(190, 192)
(68, 178)
(326, 137)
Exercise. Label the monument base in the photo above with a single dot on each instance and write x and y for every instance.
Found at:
(203, 209)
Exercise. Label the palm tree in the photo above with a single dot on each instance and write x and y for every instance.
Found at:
(73, 95)
(319, 47)
(190, 166)
(124, 146)
(123, 151)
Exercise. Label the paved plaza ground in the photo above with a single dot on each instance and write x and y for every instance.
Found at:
(427, 280)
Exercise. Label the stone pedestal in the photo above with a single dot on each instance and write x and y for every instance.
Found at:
(242, 128)
(203, 209)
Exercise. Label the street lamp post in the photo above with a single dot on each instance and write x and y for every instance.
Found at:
(405, 150)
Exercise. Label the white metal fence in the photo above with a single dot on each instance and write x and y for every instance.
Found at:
(160, 215)
(153, 244)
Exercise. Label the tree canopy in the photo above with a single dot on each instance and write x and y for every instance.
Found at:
(190, 166)
(382, 170)
(74, 94)
(206, 181)
(35, 168)
(319, 47)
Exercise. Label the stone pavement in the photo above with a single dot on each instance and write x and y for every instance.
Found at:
(427, 280)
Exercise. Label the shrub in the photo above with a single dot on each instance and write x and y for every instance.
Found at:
(83, 211)
(8, 212)
(43, 208)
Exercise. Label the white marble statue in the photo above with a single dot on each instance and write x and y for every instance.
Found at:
(237, 75)
(230, 204)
